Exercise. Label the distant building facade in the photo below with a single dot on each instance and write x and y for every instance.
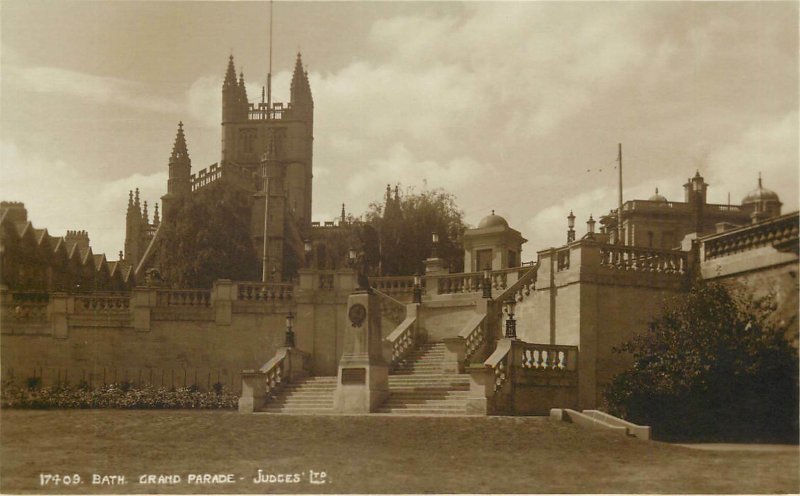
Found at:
(34, 261)
(660, 223)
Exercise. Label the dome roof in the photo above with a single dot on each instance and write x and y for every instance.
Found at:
(492, 221)
(760, 194)
(657, 198)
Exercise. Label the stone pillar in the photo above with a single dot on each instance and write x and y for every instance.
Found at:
(144, 300)
(60, 305)
(307, 277)
(481, 390)
(363, 381)
(344, 281)
(254, 391)
(222, 298)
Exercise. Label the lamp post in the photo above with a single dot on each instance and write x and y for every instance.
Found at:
(289, 330)
(511, 324)
(590, 226)
(571, 225)
(487, 282)
(417, 288)
(351, 257)
(435, 245)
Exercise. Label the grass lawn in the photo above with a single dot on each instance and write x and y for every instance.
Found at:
(365, 454)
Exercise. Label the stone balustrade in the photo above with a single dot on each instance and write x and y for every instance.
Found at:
(638, 259)
(183, 298)
(402, 340)
(520, 378)
(259, 386)
(394, 285)
(475, 337)
(90, 304)
(776, 232)
(263, 292)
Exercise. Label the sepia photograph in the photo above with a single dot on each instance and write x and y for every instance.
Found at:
(399, 247)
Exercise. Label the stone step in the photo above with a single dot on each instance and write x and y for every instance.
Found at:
(308, 392)
(309, 387)
(300, 401)
(428, 394)
(425, 401)
(295, 411)
(422, 411)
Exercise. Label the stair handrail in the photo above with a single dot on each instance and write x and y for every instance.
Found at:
(393, 306)
(274, 372)
(474, 335)
(499, 362)
(522, 286)
(400, 342)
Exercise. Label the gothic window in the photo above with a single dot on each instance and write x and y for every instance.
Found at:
(247, 140)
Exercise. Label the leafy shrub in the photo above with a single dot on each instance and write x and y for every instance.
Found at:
(714, 366)
(124, 395)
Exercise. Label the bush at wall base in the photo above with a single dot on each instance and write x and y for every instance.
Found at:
(122, 395)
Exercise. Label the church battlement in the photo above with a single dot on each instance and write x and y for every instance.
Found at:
(262, 111)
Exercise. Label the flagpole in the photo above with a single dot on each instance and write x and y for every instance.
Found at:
(619, 209)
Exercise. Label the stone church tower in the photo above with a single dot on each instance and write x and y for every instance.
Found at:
(263, 143)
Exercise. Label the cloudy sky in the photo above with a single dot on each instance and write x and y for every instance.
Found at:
(506, 105)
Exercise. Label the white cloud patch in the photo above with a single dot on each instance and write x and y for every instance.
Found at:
(98, 89)
(74, 200)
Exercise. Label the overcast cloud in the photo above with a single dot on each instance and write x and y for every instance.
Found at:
(506, 105)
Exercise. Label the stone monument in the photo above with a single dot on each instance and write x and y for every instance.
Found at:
(363, 378)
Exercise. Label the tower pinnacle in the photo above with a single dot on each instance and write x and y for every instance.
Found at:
(179, 150)
(230, 74)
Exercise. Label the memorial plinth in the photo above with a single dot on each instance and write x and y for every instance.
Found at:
(363, 379)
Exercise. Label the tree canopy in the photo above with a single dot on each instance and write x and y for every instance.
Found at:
(405, 223)
(713, 366)
(208, 240)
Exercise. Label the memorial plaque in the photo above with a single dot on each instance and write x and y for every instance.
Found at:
(354, 376)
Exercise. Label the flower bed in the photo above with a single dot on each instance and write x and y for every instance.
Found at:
(122, 395)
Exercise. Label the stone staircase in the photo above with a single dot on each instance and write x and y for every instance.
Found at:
(307, 396)
(419, 387)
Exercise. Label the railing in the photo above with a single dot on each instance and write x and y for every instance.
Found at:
(532, 358)
(274, 372)
(521, 288)
(401, 342)
(468, 282)
(392, 309)
(547, 357)
(261, 112)
(474, 337)
(631, 258)
(29, 311)
(472, 282)
(500, 364)
(774, 232)
(102, 304)
(263, 292)
(183, 298)
(392, 285)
